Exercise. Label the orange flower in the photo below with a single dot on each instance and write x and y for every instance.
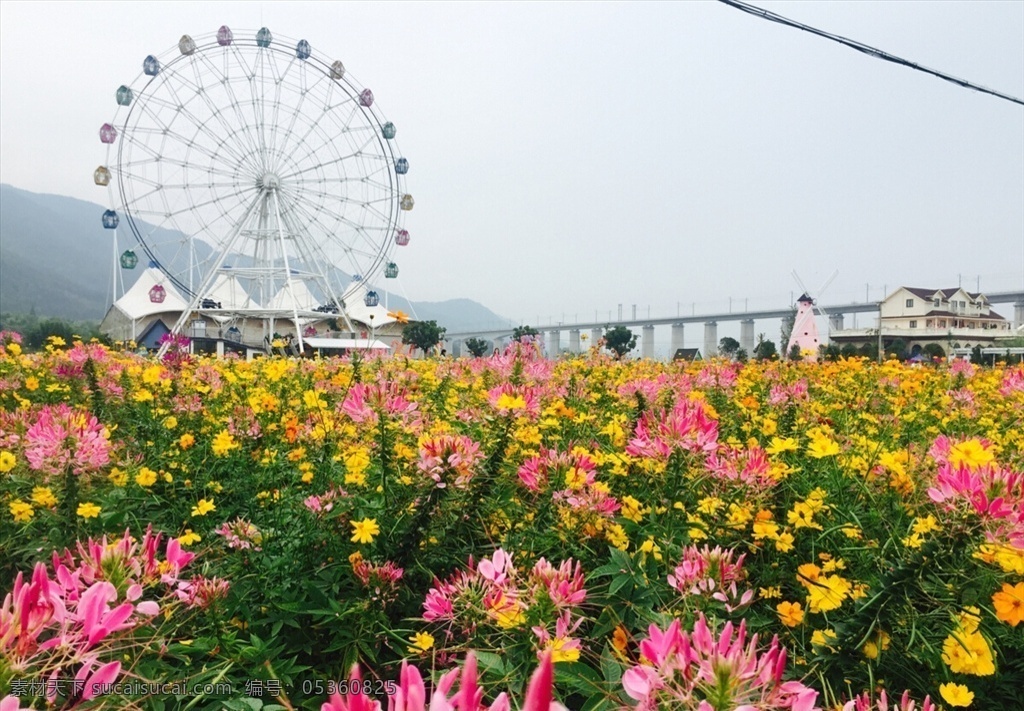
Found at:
(399, 316)
(1009, 604)
(790, 613)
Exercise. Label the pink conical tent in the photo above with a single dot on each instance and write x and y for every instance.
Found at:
(805, 330)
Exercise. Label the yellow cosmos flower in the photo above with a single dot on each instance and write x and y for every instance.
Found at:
(766, 529)
(790, 613)
(616, 535)
(43, 496)
(31, 383)
(968, 653)
(313, 401)
(421, 642)
(204, 507)
(186, 441)
(956, 694)
(364, 531)
(823, 638)
(560, 652)
(875, 646)
(784, 543)
(146, 477)
(223, 443)
(189, 537)
(507, 403)
(649, 546)
(1009, 604)
(21, 511)
(118, 477)
(782, 444)
(7, 461)
(821, 447)
(971, 454)
(827, 593)
(88, 510)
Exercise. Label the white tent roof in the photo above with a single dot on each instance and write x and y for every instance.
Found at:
(357, 309)
(136, 302)
(230, 294)
(349, 343)
(300, 296)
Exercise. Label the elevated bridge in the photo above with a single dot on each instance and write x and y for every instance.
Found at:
(836, 314)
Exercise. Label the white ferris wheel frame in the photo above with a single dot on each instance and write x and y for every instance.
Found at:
(248, 151)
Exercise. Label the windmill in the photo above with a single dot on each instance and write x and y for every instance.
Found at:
(805, 329)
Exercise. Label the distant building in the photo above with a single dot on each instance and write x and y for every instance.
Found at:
(804, 334)
(151, 307)
(950, 318)
(688, 354)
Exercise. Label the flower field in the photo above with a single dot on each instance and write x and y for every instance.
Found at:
(508, 532)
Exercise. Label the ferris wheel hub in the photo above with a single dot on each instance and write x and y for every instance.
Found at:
(268, 181)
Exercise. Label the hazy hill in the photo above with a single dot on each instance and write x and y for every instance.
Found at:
(56, 257)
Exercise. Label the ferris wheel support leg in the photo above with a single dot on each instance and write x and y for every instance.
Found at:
(197, 297)
(288, 272)
(308, 253)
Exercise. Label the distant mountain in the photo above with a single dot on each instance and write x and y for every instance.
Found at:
(56, 258)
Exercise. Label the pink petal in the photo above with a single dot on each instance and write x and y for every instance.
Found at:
(538, 693)
(149, 608)
(102, 676)
(11, 703)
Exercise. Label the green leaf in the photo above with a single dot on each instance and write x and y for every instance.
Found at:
(491, 662)
(619, 583)
(610, 667)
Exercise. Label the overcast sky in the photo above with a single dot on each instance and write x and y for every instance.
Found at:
(568, 157)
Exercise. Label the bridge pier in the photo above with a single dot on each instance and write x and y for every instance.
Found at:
(1018, 315)
(456, 347)
(647, 344)
(554, 343)
(747, 336)
(574, 340)
(677, 339)
(835, 322)
(710, 339)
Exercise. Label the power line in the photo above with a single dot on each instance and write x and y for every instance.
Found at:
(860, 47)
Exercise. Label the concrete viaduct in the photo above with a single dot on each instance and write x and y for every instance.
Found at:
(553, 334)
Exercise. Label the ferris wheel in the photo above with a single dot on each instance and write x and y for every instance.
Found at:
(250, 159)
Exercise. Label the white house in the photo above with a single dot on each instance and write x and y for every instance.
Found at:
(950, 318)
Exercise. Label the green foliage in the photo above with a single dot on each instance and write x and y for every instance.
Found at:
(619, 340)
(728, 346)
(476, 346)
(896, 348)
(794, 352)
(831, 352)
(36, 331)
(520, 332)
(424, 335)
(765, 349)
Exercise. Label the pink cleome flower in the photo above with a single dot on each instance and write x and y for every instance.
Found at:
(449, 459)
(690, 670)
(686, 427)
(63, 437)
